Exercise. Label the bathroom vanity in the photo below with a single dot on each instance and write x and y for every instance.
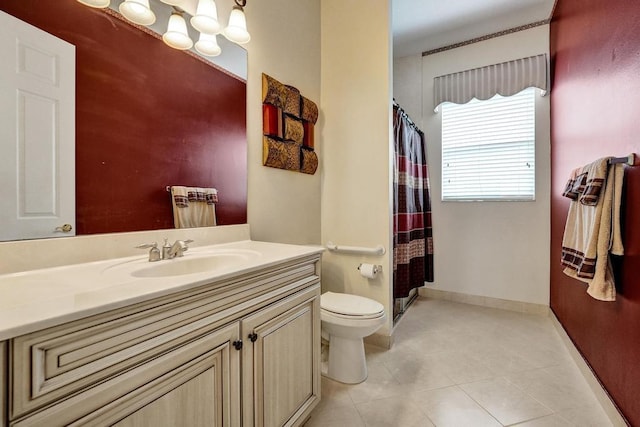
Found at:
(228, 335)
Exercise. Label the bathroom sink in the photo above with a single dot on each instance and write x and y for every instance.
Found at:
(190, 263)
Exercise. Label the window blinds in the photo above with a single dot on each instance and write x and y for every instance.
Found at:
(488, 149)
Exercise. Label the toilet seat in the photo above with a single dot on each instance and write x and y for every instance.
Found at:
(352, 321)
(348, 306)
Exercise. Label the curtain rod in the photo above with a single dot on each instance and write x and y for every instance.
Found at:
(406, 116)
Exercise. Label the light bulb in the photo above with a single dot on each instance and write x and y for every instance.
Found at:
(98, 4)
(206, 18)
(137, 11)
(207, 45)
(236, 31)
(177, 36)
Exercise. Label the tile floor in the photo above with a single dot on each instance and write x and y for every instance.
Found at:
(462, 365)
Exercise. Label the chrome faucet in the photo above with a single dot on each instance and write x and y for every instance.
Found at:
(168, 251)
(178, 248)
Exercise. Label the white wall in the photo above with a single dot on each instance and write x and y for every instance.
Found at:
(407, 85)
(491, 249)
(283, 206)
(356, 131)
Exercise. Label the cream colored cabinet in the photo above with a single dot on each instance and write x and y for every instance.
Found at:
(281, 362)
(241, 352)
(196, 384)
(3, 383)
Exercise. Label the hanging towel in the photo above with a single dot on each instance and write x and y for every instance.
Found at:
(193, 206)
(593, 226)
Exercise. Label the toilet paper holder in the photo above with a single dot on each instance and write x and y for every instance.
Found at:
(376, 268)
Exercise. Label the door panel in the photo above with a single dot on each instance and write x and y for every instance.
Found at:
(37, 132)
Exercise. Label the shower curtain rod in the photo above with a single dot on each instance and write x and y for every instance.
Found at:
(406, 116)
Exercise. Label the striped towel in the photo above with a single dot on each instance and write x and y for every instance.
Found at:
(193, 206)
(183, 195)
(593, 226)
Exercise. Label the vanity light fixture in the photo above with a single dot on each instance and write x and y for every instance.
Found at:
(207, 45)
(205, 21)
(137, 11)
(236, 31)
(98, 4)
(177, 35)
(206, 18)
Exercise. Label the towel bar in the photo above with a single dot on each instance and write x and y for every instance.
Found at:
(378, 250)
(629, 160)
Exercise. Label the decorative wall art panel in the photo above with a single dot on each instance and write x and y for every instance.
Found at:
(293, 130)
(273, 92)
(281, 155)
(288, 120)
(309, 162)
(308, 140)
(292, 102)
(272, 121)
(309, 110)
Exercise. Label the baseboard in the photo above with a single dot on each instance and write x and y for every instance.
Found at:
(599, 392)
(503, 304)
(379, 340)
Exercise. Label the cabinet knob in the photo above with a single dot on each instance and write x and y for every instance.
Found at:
(237, 344)
(253, 337)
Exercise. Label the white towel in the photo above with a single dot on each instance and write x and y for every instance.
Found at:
(593, 227)
(193, 206)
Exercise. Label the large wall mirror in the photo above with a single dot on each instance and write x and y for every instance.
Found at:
(146, 117)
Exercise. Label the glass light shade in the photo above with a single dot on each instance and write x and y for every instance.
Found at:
(98, 4)
(177, 36)
(236, 31)
(172, 2)
(206, 18)
(137, 11)
(207, 45)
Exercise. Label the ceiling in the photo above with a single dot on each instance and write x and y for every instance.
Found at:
(422, 25)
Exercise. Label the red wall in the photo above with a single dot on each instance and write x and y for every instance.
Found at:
(147, 116)
(595, 112)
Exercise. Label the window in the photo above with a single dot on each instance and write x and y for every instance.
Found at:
(488, 149)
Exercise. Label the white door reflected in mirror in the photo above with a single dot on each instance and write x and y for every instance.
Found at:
(37, 132)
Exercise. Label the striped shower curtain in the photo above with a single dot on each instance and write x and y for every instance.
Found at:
(412, 232)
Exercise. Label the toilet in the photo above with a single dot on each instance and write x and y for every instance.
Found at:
(346, 320)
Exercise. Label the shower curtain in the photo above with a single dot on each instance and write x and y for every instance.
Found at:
(412, 232)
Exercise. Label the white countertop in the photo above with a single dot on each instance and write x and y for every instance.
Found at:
(39, 299)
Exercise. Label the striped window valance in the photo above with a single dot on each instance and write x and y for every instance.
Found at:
(506, 79)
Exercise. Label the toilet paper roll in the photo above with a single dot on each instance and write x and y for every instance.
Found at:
(369, 271)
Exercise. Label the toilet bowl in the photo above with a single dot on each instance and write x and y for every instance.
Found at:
(346, 320)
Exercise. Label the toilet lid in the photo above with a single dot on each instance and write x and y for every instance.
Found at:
(352, 305)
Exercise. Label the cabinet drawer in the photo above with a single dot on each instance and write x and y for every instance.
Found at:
(165, 391)
(58, 362)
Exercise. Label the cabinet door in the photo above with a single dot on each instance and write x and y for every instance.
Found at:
(196, 385)
(4, 383)
(281, 367)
